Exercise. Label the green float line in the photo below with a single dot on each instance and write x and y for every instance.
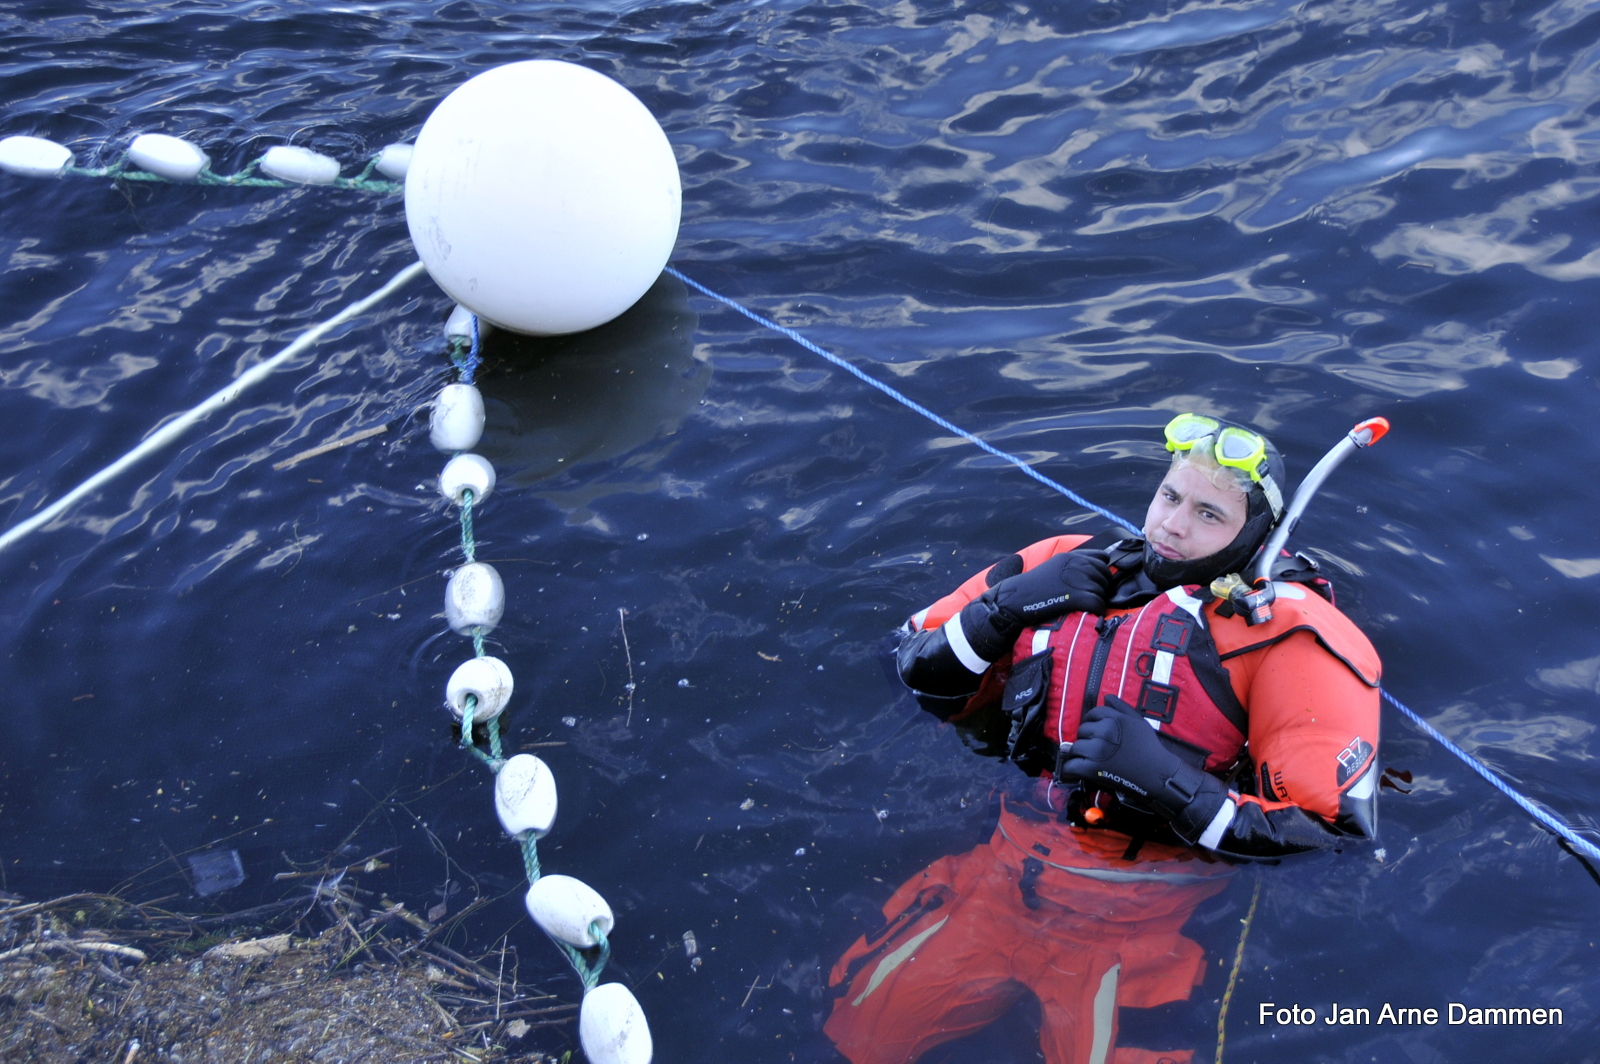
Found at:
(121, 171)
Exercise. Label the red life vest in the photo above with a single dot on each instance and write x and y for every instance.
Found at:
(1159, 658)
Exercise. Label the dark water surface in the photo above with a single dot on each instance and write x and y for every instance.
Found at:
(1055, 224)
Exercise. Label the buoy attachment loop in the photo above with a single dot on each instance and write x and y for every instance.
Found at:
(457, 420)
(612, 1027)
(486, 678)
(394, 160)
(169, 157)
(33, 157)
(467, 472)
(474, 598)
(300, 165)
(525, 796)
(566, 907)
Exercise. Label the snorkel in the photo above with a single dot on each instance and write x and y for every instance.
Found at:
(1255, 599)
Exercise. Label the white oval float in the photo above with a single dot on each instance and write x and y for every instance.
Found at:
(474, 598)
(486, 677)
(544, 196)
(393, 161)
(459, 323)
(300, 165)
(612, 1028)
(525, 796)
(467, 471)
(169, 157)
(456, 423)
(565, 907)
(33, 157)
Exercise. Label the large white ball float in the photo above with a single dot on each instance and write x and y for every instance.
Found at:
(565, 908)
(486, 678)
(168, 157)
(474, 598)
(525, 796)
(394, 160)
(456, 423)
(300, 165)
(612, 1027)
(467, 472)
(33, 157)
(544, 196)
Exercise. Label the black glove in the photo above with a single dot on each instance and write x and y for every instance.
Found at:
(1115, 745)
(1077, 581)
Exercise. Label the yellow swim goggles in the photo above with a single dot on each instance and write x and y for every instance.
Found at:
(1233, 447)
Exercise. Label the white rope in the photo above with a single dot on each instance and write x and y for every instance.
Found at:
(179, 424)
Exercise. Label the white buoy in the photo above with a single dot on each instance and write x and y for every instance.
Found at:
(612, 1027)
(300, 165)
(464, 472)
(394, 160)
(459, 324)
(474, 598)
(33, 157)
(486, 678)
(168, 157)
(456, 423)
(544, 196)
(525, 796)
(565, 907)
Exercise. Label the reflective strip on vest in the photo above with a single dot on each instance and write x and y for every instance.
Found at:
(1061, 714)
(1182, 598)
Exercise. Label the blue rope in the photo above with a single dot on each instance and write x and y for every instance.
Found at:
(906, 402)
(470, 369)
(1550, 821)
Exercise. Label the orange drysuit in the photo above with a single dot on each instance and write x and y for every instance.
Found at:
(1088, 916)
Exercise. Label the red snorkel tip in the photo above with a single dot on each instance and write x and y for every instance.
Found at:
(1370, 431)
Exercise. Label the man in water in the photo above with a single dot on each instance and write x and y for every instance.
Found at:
(1165, 735)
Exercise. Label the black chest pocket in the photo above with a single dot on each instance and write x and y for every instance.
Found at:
(1023, 703)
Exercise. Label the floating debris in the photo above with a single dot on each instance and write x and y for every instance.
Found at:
(216, 871)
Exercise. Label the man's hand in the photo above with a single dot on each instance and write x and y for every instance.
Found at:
(1074, 582)
(1117, 747)
(1078, 580)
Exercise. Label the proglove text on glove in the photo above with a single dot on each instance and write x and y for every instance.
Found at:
(1077, 581)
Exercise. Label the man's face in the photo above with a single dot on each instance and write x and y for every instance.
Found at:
(1191, 517)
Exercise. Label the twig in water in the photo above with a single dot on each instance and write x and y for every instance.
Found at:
(500, 980)
(332, 445)
(753, 989)
(96, 947)
(622, 615)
